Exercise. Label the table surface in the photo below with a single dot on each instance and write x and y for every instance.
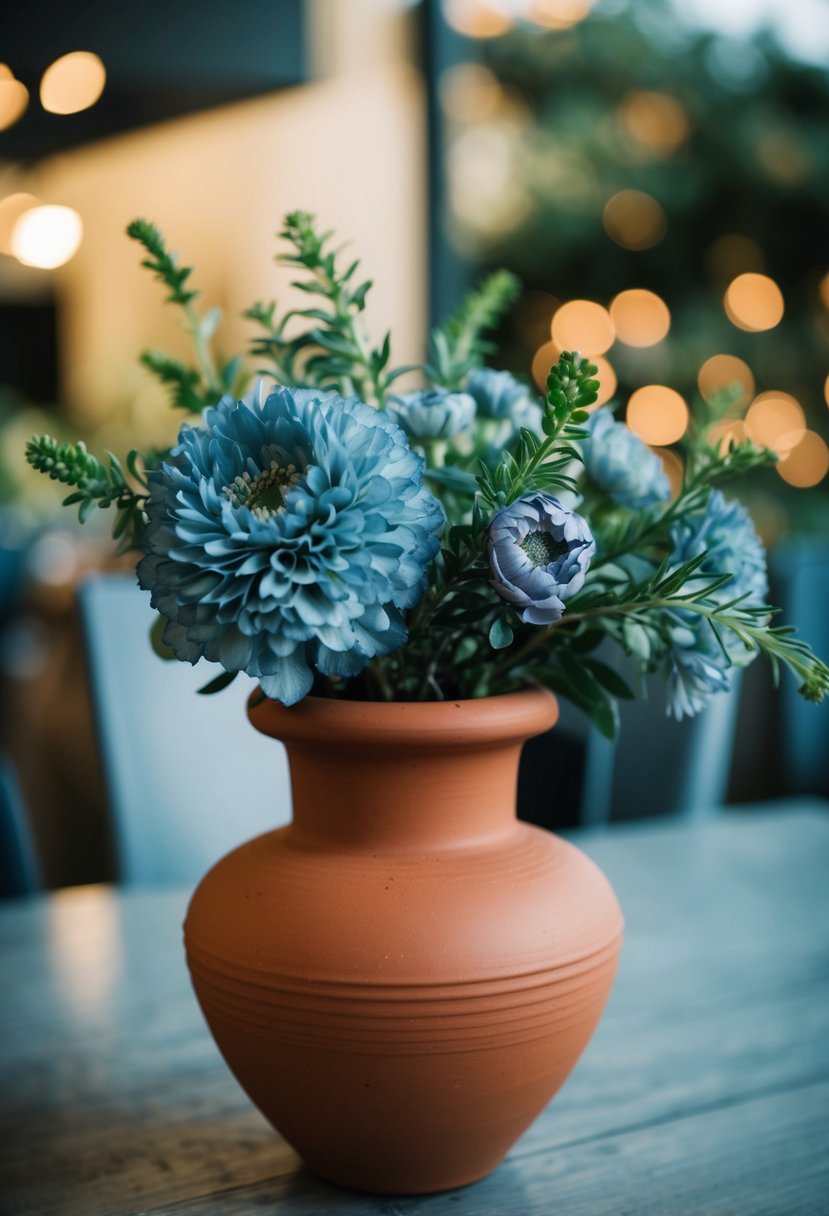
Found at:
(705, 1089)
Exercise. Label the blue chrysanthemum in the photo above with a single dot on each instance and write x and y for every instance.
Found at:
(432, 413)
(497, 393)
(698, 665)
(622, 465)
(289, 535)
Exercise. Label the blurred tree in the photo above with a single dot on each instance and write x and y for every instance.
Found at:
(631, 150)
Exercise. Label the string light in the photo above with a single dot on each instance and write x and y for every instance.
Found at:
(721, 372)
(641, 318)
(753, 302)
(656, 121)
(657, 414)
(477, 18)
(47, 237)
(72, 83)
(11, 209)
(583, 325)
(634, 220)
(776, 421)
(557, 14)
(807, 463)
(14, 98)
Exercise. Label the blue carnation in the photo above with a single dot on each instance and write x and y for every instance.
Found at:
(698, 666)
(497, 393)
(433, 413)
(539, 554)
(622, 465)
(289, 535)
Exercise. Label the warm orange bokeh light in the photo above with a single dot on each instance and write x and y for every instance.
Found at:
(469, 92)
(72, 83)
(657, 414)
(583, 325)
(720, 372)
(726, 433)
(674, 467)
(657, 121)
(477, 18)
(732, 254)
(807, 463)
(753, 302)
(14, 98)
(11, 209)
(634, 220)
(543, 359)
(824, 289)
(641, 318)
(776, 421)
(557, 14)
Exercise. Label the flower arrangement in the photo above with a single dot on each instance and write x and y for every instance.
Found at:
(332, 534)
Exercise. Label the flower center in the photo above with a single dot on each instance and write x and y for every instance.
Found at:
(264, 494)
(542, 548)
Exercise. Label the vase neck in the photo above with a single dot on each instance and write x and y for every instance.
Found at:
(383, 800)
(382, 776)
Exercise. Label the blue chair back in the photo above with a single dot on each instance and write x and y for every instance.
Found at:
(188, 778)
(19, 866)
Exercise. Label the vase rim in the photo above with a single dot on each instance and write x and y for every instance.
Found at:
(504, 718)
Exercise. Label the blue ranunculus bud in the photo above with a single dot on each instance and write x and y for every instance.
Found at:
(432, 413)
(539, 554)
(622, 465)
(497, 394)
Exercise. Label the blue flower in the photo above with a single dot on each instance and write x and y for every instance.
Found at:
(433, 413)
(621, 464)
(539, 554)
(698, 666)
(289, 535)
(497, 394)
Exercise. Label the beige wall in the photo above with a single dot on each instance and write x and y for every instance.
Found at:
(349, 147)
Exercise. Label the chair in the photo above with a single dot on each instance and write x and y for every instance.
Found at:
(187, 776)
(800, 568)
(19, 867)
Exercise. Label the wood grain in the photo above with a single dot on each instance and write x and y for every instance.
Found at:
(705, 1089)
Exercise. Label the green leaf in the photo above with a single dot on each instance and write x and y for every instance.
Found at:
(500, 634)
(157, 640)
(610, 679)
(220, 682)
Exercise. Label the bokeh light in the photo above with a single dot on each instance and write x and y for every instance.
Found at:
(11, 209)
(47, 237)
(807, 463)
(824, 289)
(733, 254)
(656, 121)
(72, 83)
(477, 18)
(753, 302)
(674, 467)
(583, 325)
(775, 420)
(469, 93)
(641, 318)
(543, 359)
(634, 220)
(14, 98)
(720, 372)
(657, 414)
(726, 433)
(557, 14)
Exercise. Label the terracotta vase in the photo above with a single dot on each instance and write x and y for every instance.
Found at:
(403, 977)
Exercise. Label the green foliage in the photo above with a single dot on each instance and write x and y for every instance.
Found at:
(457, 346)
(540, 464)
(96, 484)
(162, 263)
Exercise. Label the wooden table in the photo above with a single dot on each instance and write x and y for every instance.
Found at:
(705, 1089)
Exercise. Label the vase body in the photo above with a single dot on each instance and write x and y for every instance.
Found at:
(403, 977)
